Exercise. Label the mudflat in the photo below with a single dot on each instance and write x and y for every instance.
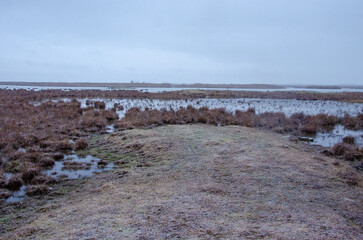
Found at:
(198, 182)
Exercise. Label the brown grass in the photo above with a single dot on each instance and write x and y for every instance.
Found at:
(318, 123)
(43, 179)
(102, 163)
(28, 173)
(133, 94)
(72, 165)
(81, 144)
(340, 148)
(33, 190)
(64, 145)
(58, 156)
(100, 105)
(2, 179)
(353, 154)
(349, 151)
(15, 182)
(353, 123)
(46, 162)
(276, 121)
(109, 115)
(349, 140)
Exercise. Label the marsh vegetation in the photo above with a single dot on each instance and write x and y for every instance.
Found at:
(41, 132)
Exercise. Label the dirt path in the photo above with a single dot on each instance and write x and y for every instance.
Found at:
(203, 182)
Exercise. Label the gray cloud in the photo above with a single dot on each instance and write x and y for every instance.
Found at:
(281, 41)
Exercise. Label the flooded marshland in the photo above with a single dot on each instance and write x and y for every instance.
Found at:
(286, 106)
(36, 126)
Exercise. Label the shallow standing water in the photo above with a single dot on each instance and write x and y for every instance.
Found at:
(287, 106)
(58, 171)
(329, 139)
(87, 161)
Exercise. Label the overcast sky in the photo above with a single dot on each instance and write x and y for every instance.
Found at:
(255, 41)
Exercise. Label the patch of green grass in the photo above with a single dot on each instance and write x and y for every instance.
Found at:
(13, 166)
(5, 219)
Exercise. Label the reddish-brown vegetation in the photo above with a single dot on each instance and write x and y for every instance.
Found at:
(349, 151)
(320, 122)
(64, 145)
(43, 179)
(100, 105)
(340, 148)
(32, 135)
(14, 183)
(348, 139)
(92, 121)
(2, 179)
(46, 162)
(133, 94)
(353, 123)
(102, 163)
(297, 123)
(33, 190)
(28, 173)
(58, 156)
(72, 165)
(81, 144)
(110, 115)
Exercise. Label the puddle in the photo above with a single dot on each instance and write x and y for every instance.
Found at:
(17, 196)
(110, 128)
(21, 150)
(87, 166)
(329, 139)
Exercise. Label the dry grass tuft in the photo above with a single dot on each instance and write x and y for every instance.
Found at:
(72, 165)
(43, 179)
(100, 105)
(81, 144)
(340, 148)
(15, 182)
(58, 156)
(109, 115)
(33, 190)
(46, 162)
(64, 146)
(348, 140)
(28, 173)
